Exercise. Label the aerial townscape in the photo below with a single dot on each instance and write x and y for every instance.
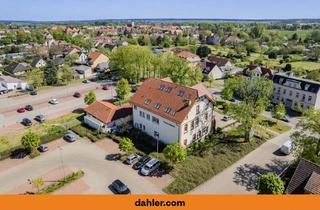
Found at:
(160, 106)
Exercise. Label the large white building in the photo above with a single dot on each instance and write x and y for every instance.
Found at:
(293, 91)
(173, 113)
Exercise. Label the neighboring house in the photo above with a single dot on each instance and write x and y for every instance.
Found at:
(193, 58)
(58, 61)
(17, 68)
(38, 63)
(105, 116)
(11, 83)
(306, 179)
(257, 71)
(233, 40)
(211, 70)
(213, 39)
(82, 72)
(83, 58)
(172, 113)
(292, 91)
(221, 62)
(96, 58)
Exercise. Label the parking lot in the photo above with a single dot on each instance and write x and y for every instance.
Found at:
(80, 155)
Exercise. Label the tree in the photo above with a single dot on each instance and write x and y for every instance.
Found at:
(126, 145)
(66, 74)
(279, 111)
(306, 139)
(37, 183)
(175, 153)
(255, 95)
(227, 94)
(288, 67)
(71, 59)
(51, 74)
(90, 98)
(35, 77)
(203, 51)
(257, 31)
(30, 141)
(272, 55)
(123, 88)
(252, 46)
(270, 184)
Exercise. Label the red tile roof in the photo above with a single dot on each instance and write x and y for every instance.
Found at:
(218, 60)
(94, 55)
(107, 112)
(265, 71)
(175, 101)
(187, 54)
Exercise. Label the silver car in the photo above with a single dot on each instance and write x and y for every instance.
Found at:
(149, 167)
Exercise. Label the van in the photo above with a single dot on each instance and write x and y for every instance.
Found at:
(286, 148)
(149, 167)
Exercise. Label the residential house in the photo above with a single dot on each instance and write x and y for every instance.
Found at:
(213, 39)
(38, 63)
(105, 116)
(58, 61)
(82, 72)
(221, 62)
(96, 58)
(257, 71)
(171, 113)
(193, 58)
(293, 91)
(233, 40)
(17, 68)
(11, 83)
(211, 70)
(306, 179)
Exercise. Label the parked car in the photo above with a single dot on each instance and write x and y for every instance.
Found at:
(33, 93)
(149, 167)
(70, 137)
(115, 78)
(226, 118)
(53, 101)
(105, 87)
(286, 148)
(28, 108)
(26, 122)
(131, 159)
(43, 148)
(77, 95)
(21, 110)
(40, 118)
(85, 81)
(119, 187)
(115, 156)
(142, 161)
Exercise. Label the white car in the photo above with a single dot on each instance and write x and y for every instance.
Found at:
(149, 167)
(286, 148)
(53, 101)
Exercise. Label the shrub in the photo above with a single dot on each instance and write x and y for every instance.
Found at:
(34, 153)
(126, 145)
(175, 153)
(270, 184)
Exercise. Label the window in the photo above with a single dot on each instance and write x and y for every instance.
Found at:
(180, 93)
(205, 130)
(144, 127)
(157, 106)
(185, 142)
(192, 124)
(135, 107)
(148, 117)
(197, 121)
(199, 135)
(297, 95)
(309, 98)
(284, 91)
(303, 97)
(194, 137)
(206, 116)
(147, 101)
(290, 93)
(167, 110)
(155, 120)
(136, 125)
(156, 134)
(279, 89)
(140, 126)
(198, 109)
(142, 114)
(168, 89)
(186, 128)
(161, 87)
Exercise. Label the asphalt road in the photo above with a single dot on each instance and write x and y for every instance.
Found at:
(80, 155)
(241, 177)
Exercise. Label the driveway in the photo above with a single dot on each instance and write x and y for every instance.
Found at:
(241, 177)
(80, 155)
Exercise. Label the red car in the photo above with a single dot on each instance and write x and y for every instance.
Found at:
(105, 87)
(21, 110)
(77, 95)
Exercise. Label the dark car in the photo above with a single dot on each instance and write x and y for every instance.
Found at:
(19, 153)
(77, 95)
(33, 93)
(119, 187)
(142, 161)
(26, 122)
(105, 87)
(40, 118)
(115, 156)
(85, 81)
(28, 108)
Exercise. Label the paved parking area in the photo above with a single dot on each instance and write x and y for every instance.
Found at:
(80, 155)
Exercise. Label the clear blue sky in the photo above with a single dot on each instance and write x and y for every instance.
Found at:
(118, 9)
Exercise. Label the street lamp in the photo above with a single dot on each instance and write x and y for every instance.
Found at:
(61, 160)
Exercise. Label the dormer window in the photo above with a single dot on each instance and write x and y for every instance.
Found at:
(157, 106)
(161, 87)
(181, 93)
(168, 89)
(168, 109)
(147, 101)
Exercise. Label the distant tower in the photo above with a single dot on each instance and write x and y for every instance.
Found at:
(132, 24)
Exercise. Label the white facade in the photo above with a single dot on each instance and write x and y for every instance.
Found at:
(12, 83)
(195, 126)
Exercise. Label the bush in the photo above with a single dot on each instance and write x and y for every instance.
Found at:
(270, 184)
(34, 153)
(84, 131)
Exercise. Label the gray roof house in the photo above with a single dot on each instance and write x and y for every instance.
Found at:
(17, 68)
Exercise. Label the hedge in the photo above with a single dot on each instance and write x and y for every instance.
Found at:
(84, 131)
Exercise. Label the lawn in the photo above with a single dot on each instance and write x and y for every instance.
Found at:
(201, 166)
(272, 124)
(13, 139)
(305, 65)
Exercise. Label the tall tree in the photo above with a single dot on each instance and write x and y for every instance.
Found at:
(66, 74)
(90, 98)
(203, 51)
(30, 141)
(51, 74)
(175, 153)
(35, 77)
(123, 88)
